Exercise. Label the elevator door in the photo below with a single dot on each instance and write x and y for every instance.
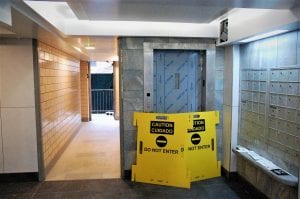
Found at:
(176, 81)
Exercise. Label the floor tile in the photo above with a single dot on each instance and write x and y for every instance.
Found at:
(65, 195)
(60, 186)
(117, 188)
(18, 188)
(93, 154)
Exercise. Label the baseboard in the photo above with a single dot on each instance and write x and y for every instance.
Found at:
(241, 186)
(85, 119)
(229, 175)
(127, 175)
(19, 177)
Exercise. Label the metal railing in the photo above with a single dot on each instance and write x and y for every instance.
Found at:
(102, 100)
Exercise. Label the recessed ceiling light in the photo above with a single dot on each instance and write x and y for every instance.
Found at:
(77, 48)
(265, 35)
(89, 47)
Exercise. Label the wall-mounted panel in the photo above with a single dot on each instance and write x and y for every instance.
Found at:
(17, 74)
(268, 50)
(19, 141)
(279, 98)
(287, 49)
(18, 132)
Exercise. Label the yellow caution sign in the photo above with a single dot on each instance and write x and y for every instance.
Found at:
(161, 156)
(201, 144)
(175, 149)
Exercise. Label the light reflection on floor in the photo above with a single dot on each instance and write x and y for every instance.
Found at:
(93, 154)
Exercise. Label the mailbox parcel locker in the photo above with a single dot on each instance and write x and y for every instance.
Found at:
(161, 158)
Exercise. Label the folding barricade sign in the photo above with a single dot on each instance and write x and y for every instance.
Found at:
(175, 149)
(201, 145)
(161, 158)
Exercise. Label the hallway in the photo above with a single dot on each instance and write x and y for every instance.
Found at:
(94, 152)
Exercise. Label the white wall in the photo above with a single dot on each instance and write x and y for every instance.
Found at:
(18, 132)
(230, 106)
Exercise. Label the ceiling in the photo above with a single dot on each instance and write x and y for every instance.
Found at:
(100, 21)
(176, 11)
(187, 11)
(105, 47)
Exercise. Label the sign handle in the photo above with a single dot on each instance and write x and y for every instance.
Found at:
(141, 147)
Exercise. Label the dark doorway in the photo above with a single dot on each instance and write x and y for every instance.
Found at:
(102, 93)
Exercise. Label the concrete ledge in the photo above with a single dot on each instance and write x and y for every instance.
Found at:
(266, 166)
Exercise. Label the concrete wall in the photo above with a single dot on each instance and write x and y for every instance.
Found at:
(85, 91)
(219, 95)
(59, 101)
(116, 90)
(132, 89)
(270, 107)
(18, 141)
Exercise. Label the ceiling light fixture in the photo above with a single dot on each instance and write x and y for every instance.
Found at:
(77, 48)
(265, 35)
(89, 46)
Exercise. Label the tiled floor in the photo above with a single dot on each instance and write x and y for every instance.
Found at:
(93, 154)
(117, 188)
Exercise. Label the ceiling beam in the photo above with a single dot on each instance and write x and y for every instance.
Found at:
(78, 9)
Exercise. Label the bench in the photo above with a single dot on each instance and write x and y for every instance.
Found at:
(267, 166)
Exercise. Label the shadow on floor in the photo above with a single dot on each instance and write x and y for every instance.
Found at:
(117, 188)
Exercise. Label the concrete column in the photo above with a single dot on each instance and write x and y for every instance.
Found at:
(231, 106)
(85, 91)
(116, 91)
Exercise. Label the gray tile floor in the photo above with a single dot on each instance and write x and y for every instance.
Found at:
(117, 188)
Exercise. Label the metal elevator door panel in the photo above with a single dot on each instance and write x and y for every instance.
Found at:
(176, 81)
